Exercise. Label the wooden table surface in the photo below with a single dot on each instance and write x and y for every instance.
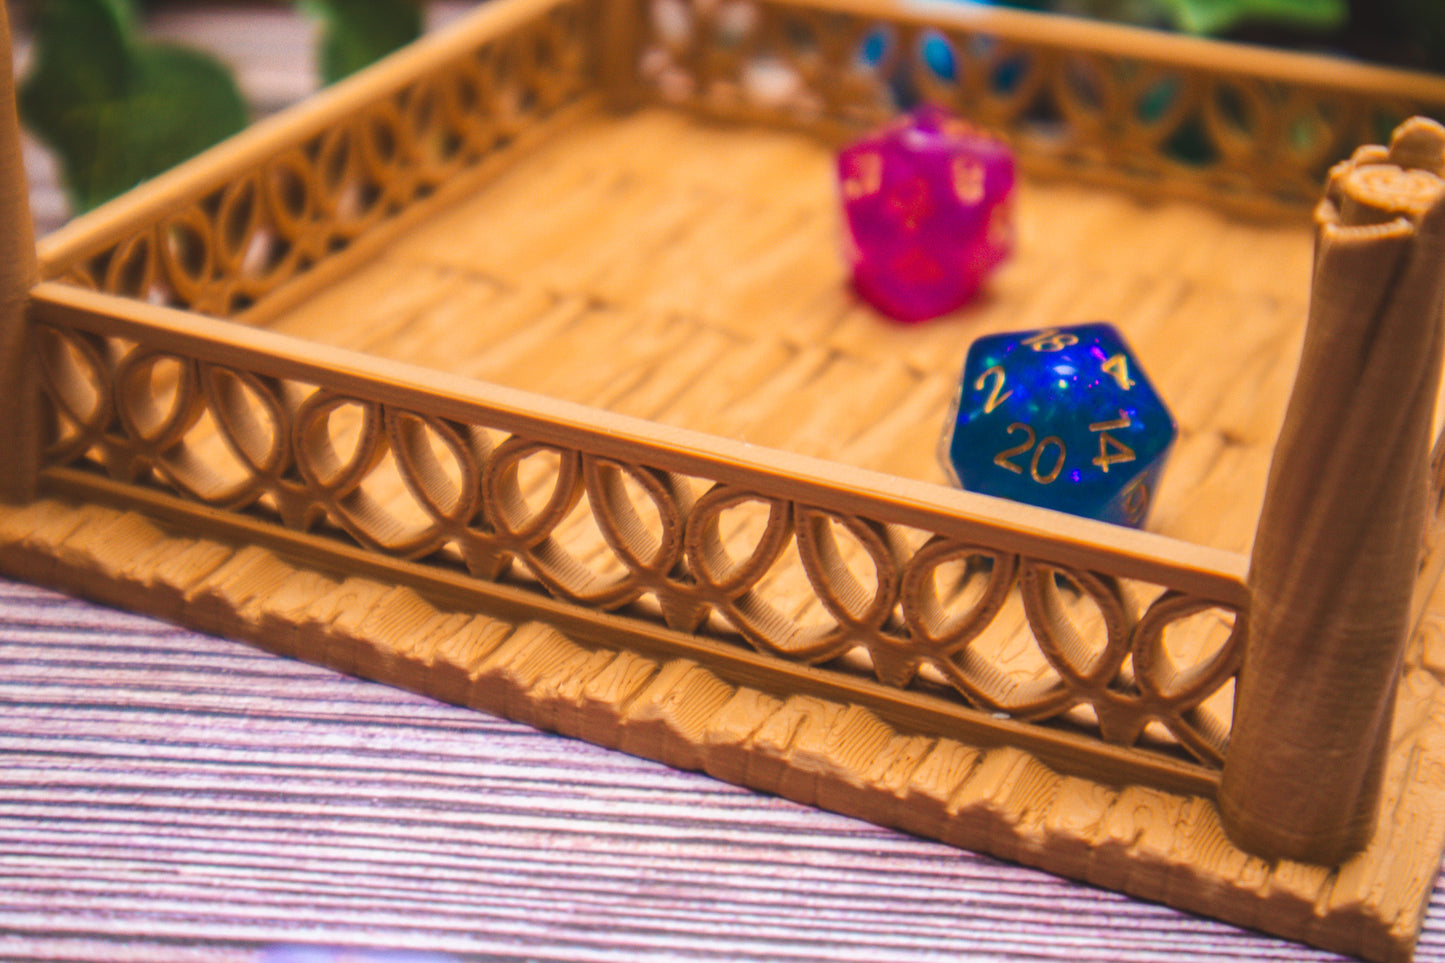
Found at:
(165, 795)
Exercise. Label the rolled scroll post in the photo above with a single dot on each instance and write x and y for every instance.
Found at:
(1338, 546)
(19, 390)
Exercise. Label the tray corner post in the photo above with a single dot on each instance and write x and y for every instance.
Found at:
(1337, 552)
(20, 401)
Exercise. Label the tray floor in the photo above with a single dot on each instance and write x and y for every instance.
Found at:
(686, 272)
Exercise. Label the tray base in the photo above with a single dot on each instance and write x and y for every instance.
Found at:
(998, 800)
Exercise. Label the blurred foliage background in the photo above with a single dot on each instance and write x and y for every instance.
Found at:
(116, 107)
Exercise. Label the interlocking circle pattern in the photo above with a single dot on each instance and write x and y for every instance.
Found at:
(1004, 633)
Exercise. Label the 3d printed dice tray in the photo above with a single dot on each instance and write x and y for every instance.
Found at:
(521, 370)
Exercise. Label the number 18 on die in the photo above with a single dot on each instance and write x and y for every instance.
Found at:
(1063, 418)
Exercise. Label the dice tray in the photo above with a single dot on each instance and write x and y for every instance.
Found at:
(521, 370)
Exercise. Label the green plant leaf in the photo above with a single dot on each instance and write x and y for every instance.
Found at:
(117, 111)
(356, 33)
(81, 58)
(1217, 16)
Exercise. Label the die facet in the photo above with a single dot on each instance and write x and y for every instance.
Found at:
(927, 206)
(1064, 418)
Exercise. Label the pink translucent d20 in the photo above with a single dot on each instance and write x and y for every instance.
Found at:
(927, 211)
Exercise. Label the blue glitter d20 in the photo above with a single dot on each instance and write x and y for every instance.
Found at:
(1062, 418)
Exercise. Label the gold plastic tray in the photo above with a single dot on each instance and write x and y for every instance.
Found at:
(522, 370)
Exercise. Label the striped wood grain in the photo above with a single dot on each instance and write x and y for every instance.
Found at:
(808, 749)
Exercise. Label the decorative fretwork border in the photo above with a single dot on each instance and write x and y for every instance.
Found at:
(225, 231)
(1237, 126)
(1035, 617)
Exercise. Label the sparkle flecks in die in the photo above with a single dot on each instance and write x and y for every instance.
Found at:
(1063, 418)
(927, 211)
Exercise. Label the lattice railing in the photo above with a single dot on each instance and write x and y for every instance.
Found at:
(247, 226)
(793, 563)
(1236, 125)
